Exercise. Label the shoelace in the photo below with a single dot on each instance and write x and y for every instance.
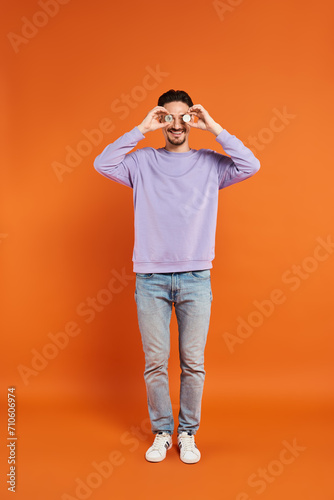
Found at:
(159, 442)
(188, 443)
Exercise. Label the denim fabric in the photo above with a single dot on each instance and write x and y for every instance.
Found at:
(155, 294)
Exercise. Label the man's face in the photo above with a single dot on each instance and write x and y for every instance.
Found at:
(177, 131)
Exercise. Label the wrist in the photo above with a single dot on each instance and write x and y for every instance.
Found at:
(142, 129)
(216, 129)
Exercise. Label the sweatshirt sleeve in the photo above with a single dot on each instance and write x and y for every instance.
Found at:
(239, 166)
(116, 162)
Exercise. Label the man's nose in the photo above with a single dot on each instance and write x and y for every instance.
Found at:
(177, 121)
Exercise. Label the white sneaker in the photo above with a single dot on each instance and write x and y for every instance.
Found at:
(158, 450)
(189, 453)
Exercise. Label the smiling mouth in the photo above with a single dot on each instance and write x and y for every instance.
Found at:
(176, 133)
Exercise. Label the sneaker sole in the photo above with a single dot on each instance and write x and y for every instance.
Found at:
(187, 461)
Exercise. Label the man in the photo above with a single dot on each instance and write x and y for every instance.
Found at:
(175, 196)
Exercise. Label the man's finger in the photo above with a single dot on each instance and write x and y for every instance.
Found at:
(198, 109)
(161, 108)
(193, 124)
(195, 116)
(196, 105)
(162, 125)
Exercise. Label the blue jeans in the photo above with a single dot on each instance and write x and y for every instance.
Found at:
(191, 294)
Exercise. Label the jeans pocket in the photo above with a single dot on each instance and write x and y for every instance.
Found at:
(144, 275)
(201, 275)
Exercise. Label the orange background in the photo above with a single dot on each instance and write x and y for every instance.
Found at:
(61, 242)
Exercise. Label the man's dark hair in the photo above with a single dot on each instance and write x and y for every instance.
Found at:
(175, 95)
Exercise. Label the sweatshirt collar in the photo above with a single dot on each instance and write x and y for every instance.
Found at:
(174, 153)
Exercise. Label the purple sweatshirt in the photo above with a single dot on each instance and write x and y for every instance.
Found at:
(175, 198)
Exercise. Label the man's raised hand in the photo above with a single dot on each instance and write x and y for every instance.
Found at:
(204, 120)
(153, 120)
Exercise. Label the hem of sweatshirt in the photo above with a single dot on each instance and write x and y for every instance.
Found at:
(171, 267)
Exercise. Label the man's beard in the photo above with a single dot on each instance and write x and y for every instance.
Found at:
(177, 141)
